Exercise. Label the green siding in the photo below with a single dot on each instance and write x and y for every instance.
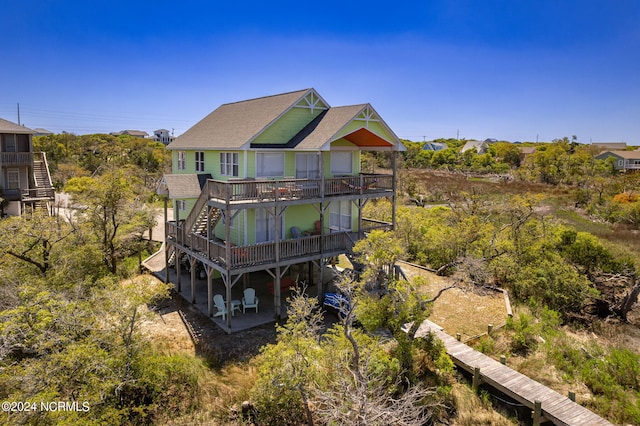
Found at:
(287, 126)
(251, 163)
(237, 231)
(303, 216)
(251, 226)
(211, 163)
(189, 205)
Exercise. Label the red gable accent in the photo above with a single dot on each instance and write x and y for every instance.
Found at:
(363, 137)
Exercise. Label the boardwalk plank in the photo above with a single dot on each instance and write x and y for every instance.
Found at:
(557, 408)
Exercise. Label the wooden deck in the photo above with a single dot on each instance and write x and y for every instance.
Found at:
(555, 408)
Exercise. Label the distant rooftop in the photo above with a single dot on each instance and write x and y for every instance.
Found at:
(617, 146)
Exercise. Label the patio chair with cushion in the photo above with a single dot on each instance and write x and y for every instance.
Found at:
(221, 306)
(249, 300)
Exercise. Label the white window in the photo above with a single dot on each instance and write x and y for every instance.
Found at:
(266, 226)
(340, 215)
(182, 163)
(620, 163)
(229, 163)
(181, 205)
(341, 162)
(13, 179)
(199, 161)
(307, 166)
(270, 164)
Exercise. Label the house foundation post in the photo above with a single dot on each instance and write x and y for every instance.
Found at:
(192, 263)
(394, 166)
(178, 269)
(210, 290)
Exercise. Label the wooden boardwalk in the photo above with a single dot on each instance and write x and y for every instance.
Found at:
(555, 407)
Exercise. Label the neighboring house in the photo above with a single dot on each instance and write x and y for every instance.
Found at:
(526, 151)
(39, 131)
(263, 184)
(434, 146)
(624, 160)
(480, 146)
(610, 146)
(162, 135)
(134, 133)
(24, 180)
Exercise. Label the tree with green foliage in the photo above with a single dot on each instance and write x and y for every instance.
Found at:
(113, 207)
(88, 154)
(346, 375)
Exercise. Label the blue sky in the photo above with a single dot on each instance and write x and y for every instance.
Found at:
(505, 69)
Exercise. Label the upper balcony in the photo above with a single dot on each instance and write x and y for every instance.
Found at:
(16, 158)
(252, 191)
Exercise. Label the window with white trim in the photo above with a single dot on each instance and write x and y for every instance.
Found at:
(270, 164)
(199, 161)
(340, 215)
(229, 164)
(13, 179)
(341, 162)
(307, 166)
(181, 205)
(182, 162)
(266, 226)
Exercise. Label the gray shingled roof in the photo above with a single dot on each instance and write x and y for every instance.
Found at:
(329, 126)
(627, 155)
(183, 185)
(7, 126)
(232, 125)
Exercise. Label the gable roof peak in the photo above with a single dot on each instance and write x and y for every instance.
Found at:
(301, 92)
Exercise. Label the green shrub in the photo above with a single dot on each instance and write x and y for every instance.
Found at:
(485, 344)
(525, 333)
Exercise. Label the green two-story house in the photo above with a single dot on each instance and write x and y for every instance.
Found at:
(271, 182)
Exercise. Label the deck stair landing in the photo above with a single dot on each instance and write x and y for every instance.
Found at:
(556, 408)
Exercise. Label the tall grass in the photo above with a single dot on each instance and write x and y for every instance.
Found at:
(471, 410)
(220, 396)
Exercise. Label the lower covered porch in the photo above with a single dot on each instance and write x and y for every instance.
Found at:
(305, 275)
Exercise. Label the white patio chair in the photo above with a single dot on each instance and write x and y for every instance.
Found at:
(221, 306)
(249, 300)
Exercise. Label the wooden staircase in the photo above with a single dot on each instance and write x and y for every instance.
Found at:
(172, 255)
(196, 221)
(200, 225)
(42, 194)
(41, 176)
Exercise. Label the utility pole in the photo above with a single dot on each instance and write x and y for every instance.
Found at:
(18, 113)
